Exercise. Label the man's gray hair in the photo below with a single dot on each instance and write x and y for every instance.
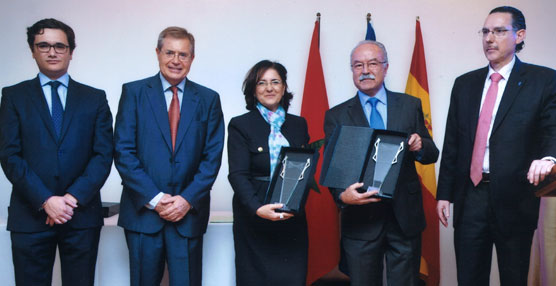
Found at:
(366, 42)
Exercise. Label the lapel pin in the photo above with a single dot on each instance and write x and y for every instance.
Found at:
(260, 149)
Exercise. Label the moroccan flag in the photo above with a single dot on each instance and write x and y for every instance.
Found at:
(370, 31)
(417, 85)
(321, 211)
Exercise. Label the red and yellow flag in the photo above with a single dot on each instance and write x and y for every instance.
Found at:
(417, 85)
(321, 211)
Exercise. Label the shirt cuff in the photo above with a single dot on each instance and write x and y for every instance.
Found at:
(549, 158)
(152, 203)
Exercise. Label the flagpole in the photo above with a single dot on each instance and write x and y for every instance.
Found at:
(318, 20)
(417, 18)
(368, 17)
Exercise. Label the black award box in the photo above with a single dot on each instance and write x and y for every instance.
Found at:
(361, 154)
(289, 184)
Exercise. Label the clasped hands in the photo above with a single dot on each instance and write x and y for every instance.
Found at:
(59, 209)
(172, 208)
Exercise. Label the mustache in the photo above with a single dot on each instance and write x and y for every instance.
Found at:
(367, 76)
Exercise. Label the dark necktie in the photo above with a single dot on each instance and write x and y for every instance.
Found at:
(174, 115)
(375, 120)
(481, 135)
(57, 109)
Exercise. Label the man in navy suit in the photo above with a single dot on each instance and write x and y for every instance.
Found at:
(501, 118)
(168, 137)
(56, 150)
(373, 229)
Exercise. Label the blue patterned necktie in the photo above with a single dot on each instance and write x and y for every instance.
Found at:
(57, 109)
(375, 120)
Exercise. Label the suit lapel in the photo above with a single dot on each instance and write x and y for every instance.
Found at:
(155, 95)
(393, 110)
(356, 113)
(513, 86)
(285, 130)
(288, 132)
(73, 101)
(475, 94)
(189, 104)
(37, 97)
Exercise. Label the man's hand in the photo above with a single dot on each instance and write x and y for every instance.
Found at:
(59, 209)
(443, 211)
(177, 208)
(269, 212)
(539, 170)
(415, 143)
(160, 207)
(49, 221)
(72, 199)
(352, 197)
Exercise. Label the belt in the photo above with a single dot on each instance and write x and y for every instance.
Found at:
(486, 178)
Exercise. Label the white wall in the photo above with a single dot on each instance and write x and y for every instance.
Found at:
(116, 42)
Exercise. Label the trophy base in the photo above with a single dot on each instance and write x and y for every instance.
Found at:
(383, 196)
(380, 195)
(285, 210)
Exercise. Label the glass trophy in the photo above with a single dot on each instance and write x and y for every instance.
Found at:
(385, 156)
(290, 182)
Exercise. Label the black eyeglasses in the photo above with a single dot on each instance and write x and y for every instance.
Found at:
(59, 48)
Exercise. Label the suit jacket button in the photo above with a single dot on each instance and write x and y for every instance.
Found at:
(260, 149)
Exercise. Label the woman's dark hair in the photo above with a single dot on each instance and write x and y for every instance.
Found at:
(255, 74)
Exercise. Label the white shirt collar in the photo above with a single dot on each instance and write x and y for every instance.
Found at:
(505, 71)
(45, 80)
(380, 95)
(166, 85)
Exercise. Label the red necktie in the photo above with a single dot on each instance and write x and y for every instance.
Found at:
(481, 135)
(174, 116)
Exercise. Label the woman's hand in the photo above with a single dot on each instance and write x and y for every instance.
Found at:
(269, 212)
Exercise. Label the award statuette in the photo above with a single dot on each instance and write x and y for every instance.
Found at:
(385, 156)
(290, 182)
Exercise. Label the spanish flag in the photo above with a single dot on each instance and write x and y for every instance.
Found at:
(417, 85)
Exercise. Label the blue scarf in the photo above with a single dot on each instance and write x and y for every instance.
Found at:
(275, 139)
